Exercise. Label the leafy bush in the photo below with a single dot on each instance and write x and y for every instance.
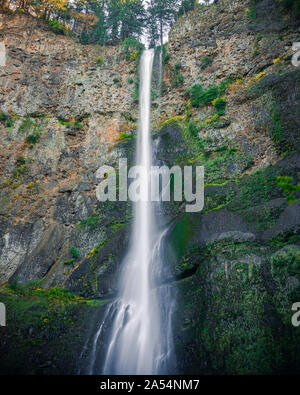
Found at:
(132, 48)
(78, 125)
(177, 76)
(6, 120)
(74, 252)
(90, 223)
(33, 138)
(124, 136)
(288, 187)
(56, 26)
(100, 60)
(220, 104)
(26, 125)
(206, 61)
(201, 96)
(21, 160)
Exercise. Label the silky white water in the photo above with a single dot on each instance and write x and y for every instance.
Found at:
(136, 327)
(139, 321)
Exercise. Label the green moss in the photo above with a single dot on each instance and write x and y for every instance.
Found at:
(232, 314)
(289, 188)
(43, 325)
(91, 223)
(287, 259)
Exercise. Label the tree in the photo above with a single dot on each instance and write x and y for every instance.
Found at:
(4, 4)
(161, 15)
(133, 18)
(186, 6)
(47, 8)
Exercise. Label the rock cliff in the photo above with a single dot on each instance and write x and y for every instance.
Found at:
(230, 102)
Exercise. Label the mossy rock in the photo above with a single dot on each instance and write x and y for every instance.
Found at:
(287, 259)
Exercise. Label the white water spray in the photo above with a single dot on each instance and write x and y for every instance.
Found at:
(140, 339)
(136, 327)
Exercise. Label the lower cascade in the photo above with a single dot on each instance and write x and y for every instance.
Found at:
(136, 331)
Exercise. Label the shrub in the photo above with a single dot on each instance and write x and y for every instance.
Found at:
(130, 81)
(206, 61)
(90, 223)
(251, 12)
(100, 60)
(132, 48)
(289, 188)
(177, 76)
(26, 124)
(6, 120)
(74, 252)
(124, 136)
(201, 96)
(21, 160)
(33, 138)
(220, 104)
(78, 125)
(56, 26)
(166, 58)
(291, 5)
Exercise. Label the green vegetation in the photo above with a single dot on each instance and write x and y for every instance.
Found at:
(6, 119)
(205, 62)
(166, 55)
(27, 125)
(42, 324)
(132, 48)
(76, 125)
(251, 12)
(57, 27)
(201, 97)
(74, 252)
(125, 136)
(235, 327)
(177, 79)
(292, 6)
(91, 223)
(100, 60)
(277, 132)
(33, 138)
(21, 160)
(289, 188)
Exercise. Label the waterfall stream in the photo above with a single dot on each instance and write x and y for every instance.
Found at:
(139, 320)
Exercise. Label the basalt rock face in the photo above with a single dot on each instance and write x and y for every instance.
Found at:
(235, 265)
(66, 110)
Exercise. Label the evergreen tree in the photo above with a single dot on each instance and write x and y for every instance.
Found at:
(161, 15)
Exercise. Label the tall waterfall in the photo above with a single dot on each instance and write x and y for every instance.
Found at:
(140, 333)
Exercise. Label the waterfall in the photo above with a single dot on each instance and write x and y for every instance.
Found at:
(140, 334)
(160, 71)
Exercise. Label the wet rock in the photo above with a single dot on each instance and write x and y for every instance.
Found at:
(39, 260)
